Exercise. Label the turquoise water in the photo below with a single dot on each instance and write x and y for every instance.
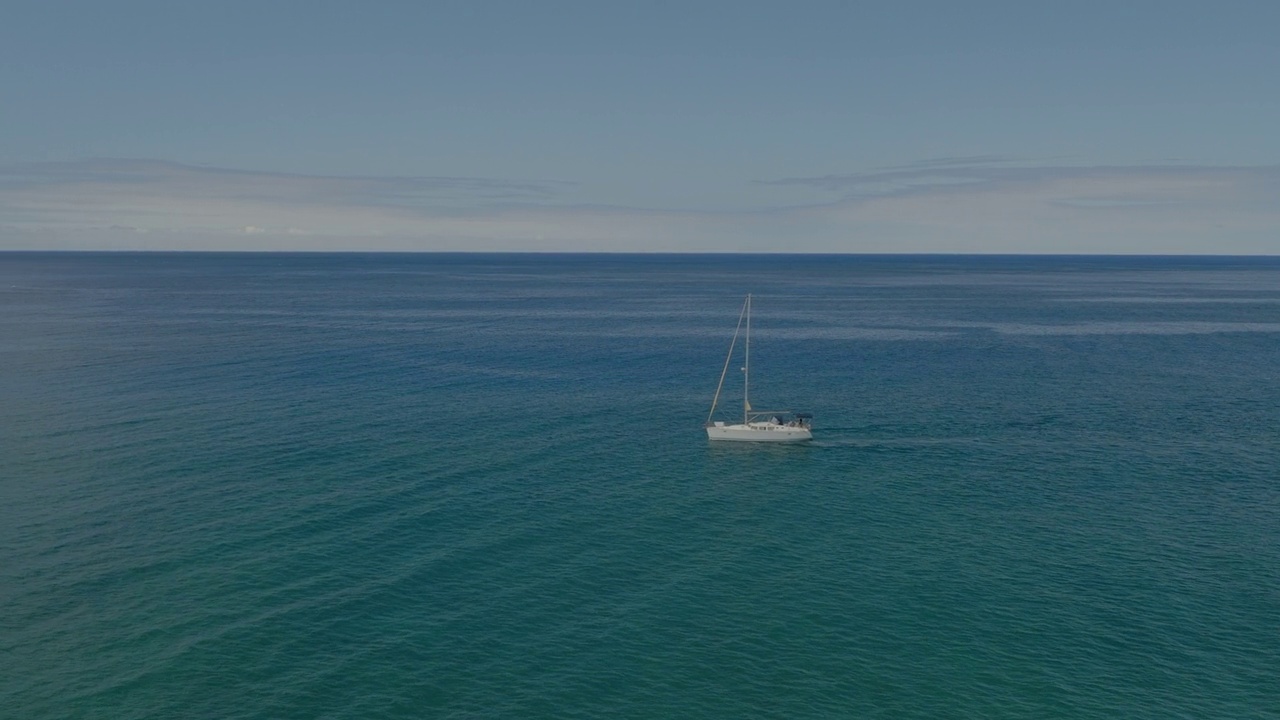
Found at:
(468, 486)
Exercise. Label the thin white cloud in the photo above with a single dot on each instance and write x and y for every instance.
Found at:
(1161, 209)
(998, 173)
(981, 204)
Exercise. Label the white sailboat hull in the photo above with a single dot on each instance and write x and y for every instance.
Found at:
(759, 432)
(757, 426)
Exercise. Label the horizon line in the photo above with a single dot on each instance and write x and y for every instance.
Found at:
(648, 253)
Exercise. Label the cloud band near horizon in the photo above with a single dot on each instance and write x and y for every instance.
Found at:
(963, 205)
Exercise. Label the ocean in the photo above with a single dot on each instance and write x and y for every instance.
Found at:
(477, 486)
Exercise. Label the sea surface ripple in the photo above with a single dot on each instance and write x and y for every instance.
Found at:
(476, 486)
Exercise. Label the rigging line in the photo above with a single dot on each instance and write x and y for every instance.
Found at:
(746, 369)
(727, 358)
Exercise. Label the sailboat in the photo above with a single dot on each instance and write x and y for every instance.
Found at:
(756, 426)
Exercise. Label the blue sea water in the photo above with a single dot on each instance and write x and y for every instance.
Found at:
(476, 486)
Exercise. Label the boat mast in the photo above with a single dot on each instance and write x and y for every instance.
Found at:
(746, 366)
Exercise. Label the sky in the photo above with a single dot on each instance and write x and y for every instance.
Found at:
(695, 126)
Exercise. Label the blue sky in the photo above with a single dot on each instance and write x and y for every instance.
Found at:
(1144, 127)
